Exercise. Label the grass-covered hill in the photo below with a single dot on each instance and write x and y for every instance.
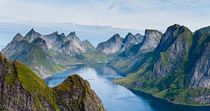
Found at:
(22, 90)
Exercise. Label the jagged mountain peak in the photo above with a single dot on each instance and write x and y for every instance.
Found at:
(18, 37)
(72, 34)
(62, 35)
(115, 37)
(112, 45)
(55, 33)
(171, 34)
(151, 31)
(150, 41)
(129, 34)
(31, 35)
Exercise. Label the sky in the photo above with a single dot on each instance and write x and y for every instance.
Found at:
(133, 14)
(128, 14)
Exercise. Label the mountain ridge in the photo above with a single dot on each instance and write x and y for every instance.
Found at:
(21, 89)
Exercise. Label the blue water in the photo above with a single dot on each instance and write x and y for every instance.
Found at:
(116, 97)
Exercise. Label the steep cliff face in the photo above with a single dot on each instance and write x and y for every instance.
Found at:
(21, 90)
(200, 53)
(111, 46)
(130, 58)
(178, 68)
(31, 35)
(88, 46)
(130, 40)
(72, 46)
(150, 41)
(174, 48)
(53, 40)
(17, 44)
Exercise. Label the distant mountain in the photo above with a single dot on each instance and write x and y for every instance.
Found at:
(129, 57)
(151, 40)
(47, 54)
(177, 69)
(130, 40)
(116, 44)
(111, 46)
(23, 90)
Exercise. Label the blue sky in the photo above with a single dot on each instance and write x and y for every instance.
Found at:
(128, 14)
(135, 14)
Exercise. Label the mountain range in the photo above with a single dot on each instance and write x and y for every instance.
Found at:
(177, 69)
(173, 65)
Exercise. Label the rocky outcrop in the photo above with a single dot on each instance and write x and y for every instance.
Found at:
(17, 44)
(174, 48)
(111, 46)
(75, 91)
(31, 35)
(72, 46)
(88, 46)
(200, 53)
(130, 40)
(150, 41)
(22, 90)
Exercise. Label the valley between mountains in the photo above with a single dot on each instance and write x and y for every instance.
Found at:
(174, 65)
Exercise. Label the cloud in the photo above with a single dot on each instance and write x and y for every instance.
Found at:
(135, 14)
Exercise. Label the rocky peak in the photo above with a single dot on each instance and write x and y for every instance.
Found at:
(129, 41)
(173, 49)
(62, 35)
(150, 41)
(55, 33)
(18, 37)
(40, 42)
(31, 35)
(72, 36)
(171, 35)
(112, 45)
(115, 37)
(87, 45)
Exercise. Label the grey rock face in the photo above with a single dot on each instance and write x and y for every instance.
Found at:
(201, 71)
(201, 54)
(15, 46)
(39, 52)
(111, 46)
(150, 41)
(88, 46)
(176, 50)
(31, 35)
(72, 46)
(53, 40)
(130, 40)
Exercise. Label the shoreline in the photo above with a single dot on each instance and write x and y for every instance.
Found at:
(163, 99)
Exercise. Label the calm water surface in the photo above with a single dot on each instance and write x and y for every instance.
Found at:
(116, 97)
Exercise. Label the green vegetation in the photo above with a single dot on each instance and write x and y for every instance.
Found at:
(36, 86)
(174, 86)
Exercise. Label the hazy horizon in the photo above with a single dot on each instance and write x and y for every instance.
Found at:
(98, 20)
